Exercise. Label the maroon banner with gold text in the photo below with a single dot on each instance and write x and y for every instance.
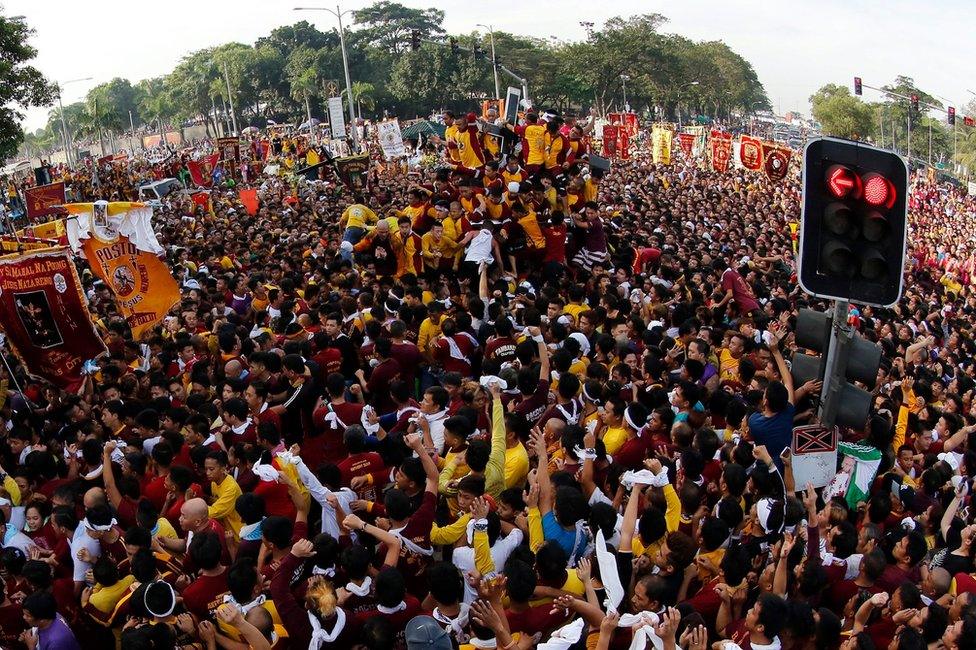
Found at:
(45, 317)
(43, 199)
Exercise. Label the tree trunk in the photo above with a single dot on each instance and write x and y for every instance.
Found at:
(308, 109)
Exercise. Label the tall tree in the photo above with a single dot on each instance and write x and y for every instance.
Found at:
(21, 84)
(390, 23)
(841, 114)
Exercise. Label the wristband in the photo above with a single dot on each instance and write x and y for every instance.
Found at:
(539, 339)
(480, 525)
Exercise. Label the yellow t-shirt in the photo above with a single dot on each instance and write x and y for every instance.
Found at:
(104, 599)
(614, 438)
(728, 367)
(574, 310)
(358, 215)
(516, 466)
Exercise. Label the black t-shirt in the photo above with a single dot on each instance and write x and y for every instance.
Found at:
(296, 421)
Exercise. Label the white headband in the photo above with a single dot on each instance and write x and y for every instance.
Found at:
(145, 599)
(102, 528)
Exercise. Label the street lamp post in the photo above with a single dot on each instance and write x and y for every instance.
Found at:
(230, 100)
(623, 80)
(64, 123)
(494, 59)
(338, 13)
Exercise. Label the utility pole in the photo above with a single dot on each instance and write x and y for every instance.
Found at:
(230, 99)
(132, 133)
(494, 60)
(338, 13)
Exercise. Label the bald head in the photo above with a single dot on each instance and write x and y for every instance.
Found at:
(194, 511)
(94, 497)
(233, 369)
(260, 618)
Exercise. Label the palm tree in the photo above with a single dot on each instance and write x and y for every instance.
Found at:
(362, 93)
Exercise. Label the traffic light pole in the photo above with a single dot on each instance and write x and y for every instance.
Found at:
(841, 335)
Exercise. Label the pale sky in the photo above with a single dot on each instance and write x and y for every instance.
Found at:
(795, 47)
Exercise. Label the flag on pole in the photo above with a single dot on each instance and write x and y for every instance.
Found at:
(249, 197)
(201, 171)
(123, 253)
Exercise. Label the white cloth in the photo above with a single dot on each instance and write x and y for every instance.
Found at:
(265, 472)
(321, 493)
(246, 607)
(564, 637)
(608, 574)
(455, 626)
(382, 609)
(135, 224)
(479, 249)
(644, 477)
(645, 633)
(360, 590)
(320, 635)
(463, 558)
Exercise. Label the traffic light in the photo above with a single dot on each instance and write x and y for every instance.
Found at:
(968, 121)
(857, 85)
(414, 39)
(951, 112)
(478, 52)
(844, 403)
(915, 102)
(454, 46)
(854, 221)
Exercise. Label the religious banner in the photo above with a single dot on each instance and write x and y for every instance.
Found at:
(497, 104)
(751, 153)
(776, 160)
(353, 170)
(201, 171)
(701, 139)
(43, 200)
(661, 145)
(610, 132)
(721, 150)
(687, 141)
(45, 317)
(623, 143)
(249, 197)
(229, 149)
(391, 140)
(118, 241)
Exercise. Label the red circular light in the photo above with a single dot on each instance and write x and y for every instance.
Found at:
(841, 181)
(877, 189)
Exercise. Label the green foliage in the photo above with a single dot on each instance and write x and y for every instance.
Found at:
(21, 84)
(289, 74)
(841, 114)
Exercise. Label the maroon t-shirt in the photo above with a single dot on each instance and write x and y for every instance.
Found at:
(205, 594)
(533, 406)
(741, 293)
(379, 384)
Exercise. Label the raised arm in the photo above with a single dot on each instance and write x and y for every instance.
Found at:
(542, 473)
(415, 442)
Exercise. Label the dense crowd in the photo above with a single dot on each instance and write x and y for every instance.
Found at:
(492, 403)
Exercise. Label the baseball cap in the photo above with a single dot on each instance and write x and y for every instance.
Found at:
(424, 633)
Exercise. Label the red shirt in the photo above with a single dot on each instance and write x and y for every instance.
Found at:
(330, 446)
(155, 490)
(205, 594)
(555, 243)
(368, 463)
(442, 353)
(540, 618)
(379, 384)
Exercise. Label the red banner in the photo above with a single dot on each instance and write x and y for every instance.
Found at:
(776, 160)
(751, 153)
(610, 132)
(249, 197)
(200, 198)
(721, 150)
(623, 147)
(201, 171)
(687, 141)
(45, 316)
(43, 200)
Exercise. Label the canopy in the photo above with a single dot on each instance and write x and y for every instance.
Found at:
(423, 127)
